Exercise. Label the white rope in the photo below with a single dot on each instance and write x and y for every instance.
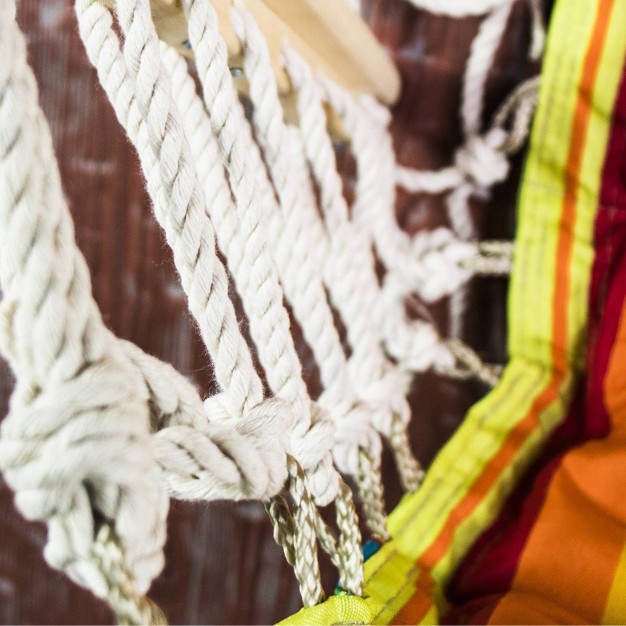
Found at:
(219, 346)
(294, 233)
(98, 399)
(251, 189)
(75, 446)
(234, 136)
(414, 344)
(311, 446)
(76, 439)
(463, 8)
(482, 54)
(179, 204)
(173, 182)
(349, 271)
(433, 264)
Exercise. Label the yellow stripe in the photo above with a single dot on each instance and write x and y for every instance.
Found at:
(614, 611)
(420, 517)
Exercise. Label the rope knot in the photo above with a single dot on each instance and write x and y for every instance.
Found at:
(79, 454)
(313, 450)
(441, 255)
(355, 432)
(387, 401)
(234, 457)
(482, 160)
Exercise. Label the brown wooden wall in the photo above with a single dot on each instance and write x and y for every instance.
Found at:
(222, 563)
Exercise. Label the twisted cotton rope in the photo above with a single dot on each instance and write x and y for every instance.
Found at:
(464, 259)
(248, 179)
(183, 188)
(517, 111)
(75, 446)
(478, 158)
(481, 162)
(414, 344)
(428, 262)
(349, 275)
(308, 451)
(295, 232)
(233, 134)
(102, 45)
(177, 197)
(100, 388)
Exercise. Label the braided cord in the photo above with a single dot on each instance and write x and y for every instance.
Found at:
(128, 606)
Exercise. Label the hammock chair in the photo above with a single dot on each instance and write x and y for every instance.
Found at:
(509, 523)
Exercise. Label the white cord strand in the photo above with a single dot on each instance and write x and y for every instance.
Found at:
(178, 201)
(349, 269)
(196, 467)
(480, 61)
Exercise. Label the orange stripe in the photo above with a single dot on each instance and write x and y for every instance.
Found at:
(485, 481)
(572, 179)
(492, 471)
(418, 605)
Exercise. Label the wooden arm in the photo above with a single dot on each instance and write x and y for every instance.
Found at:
(327, 33)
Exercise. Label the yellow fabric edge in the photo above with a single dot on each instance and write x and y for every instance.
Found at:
(423, 514)
(532, 287)
(603, 99)
(602, 103)
(541, 192)
(468, 530)
(463, 446)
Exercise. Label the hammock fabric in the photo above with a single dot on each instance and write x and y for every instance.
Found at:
(521, 518)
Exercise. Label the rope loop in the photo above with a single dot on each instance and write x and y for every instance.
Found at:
(470, 365)
(481, 159)
(313, 450)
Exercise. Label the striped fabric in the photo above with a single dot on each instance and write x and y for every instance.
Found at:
(557, 553)
(508, 541)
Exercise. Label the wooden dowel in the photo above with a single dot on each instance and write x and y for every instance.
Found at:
(334, 40)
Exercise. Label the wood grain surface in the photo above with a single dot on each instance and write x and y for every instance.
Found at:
(222, 564)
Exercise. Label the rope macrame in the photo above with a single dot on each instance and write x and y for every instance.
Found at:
(241, 157)
(316, 442)
(99, 431)
(182, 190)
(109, 466)
(438, 263)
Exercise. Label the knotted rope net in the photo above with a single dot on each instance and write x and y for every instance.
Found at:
(99, 434)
